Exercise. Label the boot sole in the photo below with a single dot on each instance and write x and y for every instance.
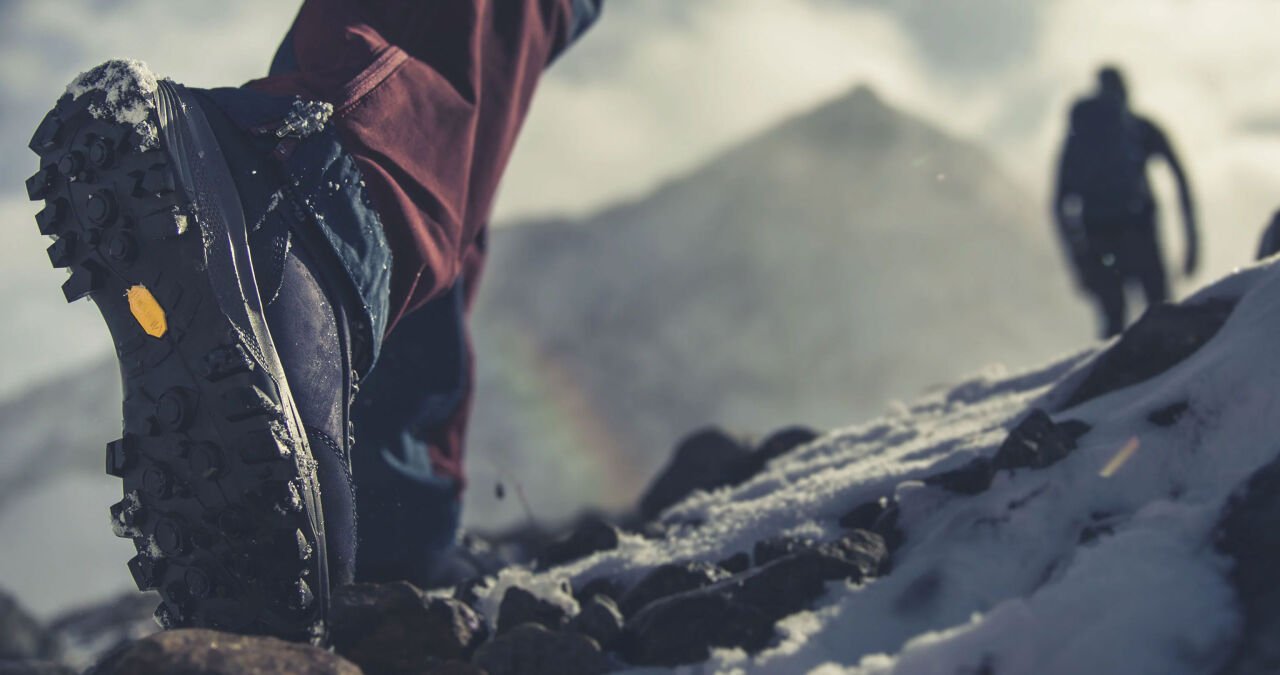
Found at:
(220, 494)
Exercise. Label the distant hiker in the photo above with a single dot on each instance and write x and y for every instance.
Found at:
(255, 251)
(1270, 244)
(1103, 203)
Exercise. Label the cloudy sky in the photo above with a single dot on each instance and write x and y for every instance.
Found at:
(661, 85)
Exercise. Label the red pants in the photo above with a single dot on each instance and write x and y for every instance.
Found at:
(429, 96)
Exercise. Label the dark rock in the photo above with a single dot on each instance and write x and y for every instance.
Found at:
(705, 460)
(1164, 336)
(886, 526)
(780, 443)
(1036, 442)
(971, 479)
(683, 629)
(1074, 429)
(789, 584)
(531, 649)
(736, 563)
(768, 550)
(520, 607)
(398, 628)
(792, 583)
(1168, 415)
(206, 652)
(21, 636)
(863, 516)
(670, 580)
(1250, 534)
(591, 536)
(867, 549)
(600, 619)
(36, 667)
(740, 611)
(599, 586)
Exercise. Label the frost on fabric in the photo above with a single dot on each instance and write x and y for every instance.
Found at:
(273, 203)
(129, 88)
(1088, 565)
(285, 444)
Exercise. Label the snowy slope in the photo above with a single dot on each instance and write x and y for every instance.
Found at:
(1101, 563)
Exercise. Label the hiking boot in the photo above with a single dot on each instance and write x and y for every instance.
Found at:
(234, 337)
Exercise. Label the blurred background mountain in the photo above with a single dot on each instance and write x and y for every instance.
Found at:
(851, 255)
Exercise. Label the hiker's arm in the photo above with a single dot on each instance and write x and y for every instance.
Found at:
(1160, 145)
(1270, 244)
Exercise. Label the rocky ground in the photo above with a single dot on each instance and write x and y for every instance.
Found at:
(662, 613)
(671, 616)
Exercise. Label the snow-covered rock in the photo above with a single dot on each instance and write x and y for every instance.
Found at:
(1106, 553)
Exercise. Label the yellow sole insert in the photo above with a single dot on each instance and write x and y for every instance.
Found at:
(147, 312)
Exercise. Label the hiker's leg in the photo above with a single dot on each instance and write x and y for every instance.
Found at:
(1108, 291)
(1148, 267)
(429, 98)
(410, 421)
(1101, 273)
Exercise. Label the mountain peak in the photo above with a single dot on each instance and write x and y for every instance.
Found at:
(860, 123)
(861, 101)
(863, 96)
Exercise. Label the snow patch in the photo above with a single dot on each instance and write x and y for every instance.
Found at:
(152, 549)
(129, 89)
(273, 203)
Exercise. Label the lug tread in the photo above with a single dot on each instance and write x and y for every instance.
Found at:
(207, 468)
